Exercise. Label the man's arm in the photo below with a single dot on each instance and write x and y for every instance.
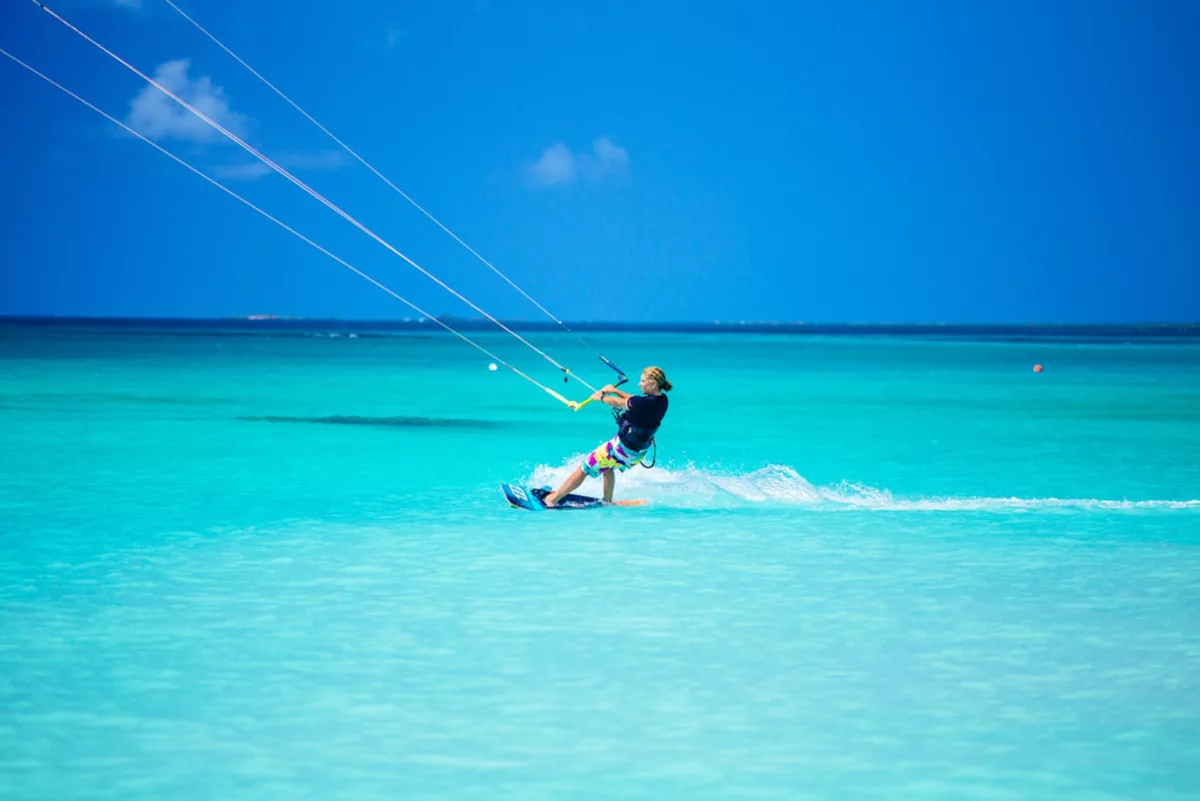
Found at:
(618, 400)
(609, 389)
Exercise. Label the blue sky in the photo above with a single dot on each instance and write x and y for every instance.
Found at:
(859, 162)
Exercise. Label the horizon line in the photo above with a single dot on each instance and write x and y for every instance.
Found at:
(476, 322)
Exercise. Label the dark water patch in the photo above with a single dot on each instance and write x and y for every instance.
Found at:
(385, 422)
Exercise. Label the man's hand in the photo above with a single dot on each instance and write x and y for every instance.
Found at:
(608, 388)
(598, 395)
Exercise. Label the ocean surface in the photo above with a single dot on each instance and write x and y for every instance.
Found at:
(252, 564)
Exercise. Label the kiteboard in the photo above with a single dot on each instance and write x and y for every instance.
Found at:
(531, 499)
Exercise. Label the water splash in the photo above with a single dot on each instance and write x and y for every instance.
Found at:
(780, 485)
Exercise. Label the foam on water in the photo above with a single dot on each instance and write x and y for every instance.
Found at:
(781, 485)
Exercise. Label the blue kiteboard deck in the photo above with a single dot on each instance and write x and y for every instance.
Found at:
(531, 499)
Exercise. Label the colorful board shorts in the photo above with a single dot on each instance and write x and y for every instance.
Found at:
(611, 455)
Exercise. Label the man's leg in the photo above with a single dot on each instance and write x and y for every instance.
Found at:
(569, 486)
(610, 481)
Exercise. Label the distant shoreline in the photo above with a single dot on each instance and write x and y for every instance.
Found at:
(267, 324)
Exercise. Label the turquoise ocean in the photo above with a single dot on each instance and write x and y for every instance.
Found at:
(276, 564)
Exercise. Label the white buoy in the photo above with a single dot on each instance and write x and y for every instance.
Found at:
(492, 367)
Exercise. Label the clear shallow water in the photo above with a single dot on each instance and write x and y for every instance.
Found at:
(248, 566)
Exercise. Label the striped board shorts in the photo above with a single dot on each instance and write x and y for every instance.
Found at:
(611, 455)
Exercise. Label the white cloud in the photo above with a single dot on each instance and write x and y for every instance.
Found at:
(606, 160)
(558, 165)
(393, 38)
(251, 170)
(129, 3)
(160, 117)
